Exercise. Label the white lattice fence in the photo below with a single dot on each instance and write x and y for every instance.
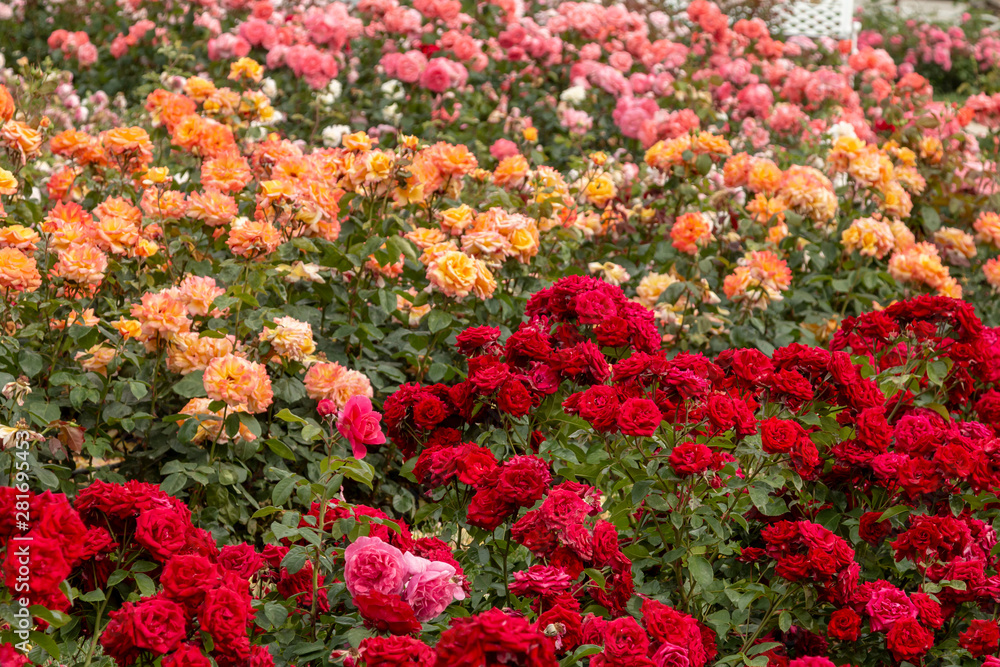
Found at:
(822, 18)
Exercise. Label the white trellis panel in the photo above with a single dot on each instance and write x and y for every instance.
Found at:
(819, 18)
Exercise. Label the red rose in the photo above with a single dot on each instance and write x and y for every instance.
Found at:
(489, 377)
(594, 307)
(721, 412)
(260, 656)
(473, 462)
(187, 655)
(488, 509)
(873, 429)
(436, 466)
(844, 624)
(908, 640)
(566, 625)
(592, 631)
(779, 436)
(164, 532)
(429, 412)
(155, 624)
(514, 399)
(494, 638)
(981, 638)
(639, 417)
(475, 339)
(663, 622)
(625, 640)
(48, 566)
(928, 611)
(988, 408)
(241, 559)
(871, 531)
(10, 656)
(523, 480)
(793, 567)
(563, 508)
(781, 537)
(690, 458)
(612, 332)
(599, 405)
(792, 387)
(750, 554)
(529, 343)
(395, 651)
(224, 614)
(186, 579)
(387, 613)
(750, 366)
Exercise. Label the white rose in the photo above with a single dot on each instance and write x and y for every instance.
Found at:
(574, 95)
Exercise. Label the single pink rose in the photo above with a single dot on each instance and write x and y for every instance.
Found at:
(359, 424)
(887, 605)
(410, 66)
(502, 148)
(430, 591)
(372, 565)
(437, 76)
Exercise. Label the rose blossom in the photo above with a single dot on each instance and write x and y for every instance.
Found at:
(432, 589)
(372, 565)
(359, 424)
(887, 605)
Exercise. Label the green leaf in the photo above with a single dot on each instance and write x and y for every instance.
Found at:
(191, 386)
(701, 570)
(784, 621)
(45, 642)
(265, 511)
(275, 613)
(597, 577)
(30, 362)
(286, 415)
(280, 448)
(117, 577)
(438, 320)
(896, 510)
(283, 490)
(145, 584)
(56, 619)
(581, 652)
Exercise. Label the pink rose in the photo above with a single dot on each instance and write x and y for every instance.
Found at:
(87, 54)
(887, 605)
(621, 61)
(359, 424)
(410, 66)
(372, 565)
(437, 77)
(259, 33)
(502, 148)
(433, 589)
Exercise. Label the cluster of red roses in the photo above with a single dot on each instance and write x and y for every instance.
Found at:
(512, 378)
(900, 444)
(806, 550)
(60, 543)
(110, 525)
